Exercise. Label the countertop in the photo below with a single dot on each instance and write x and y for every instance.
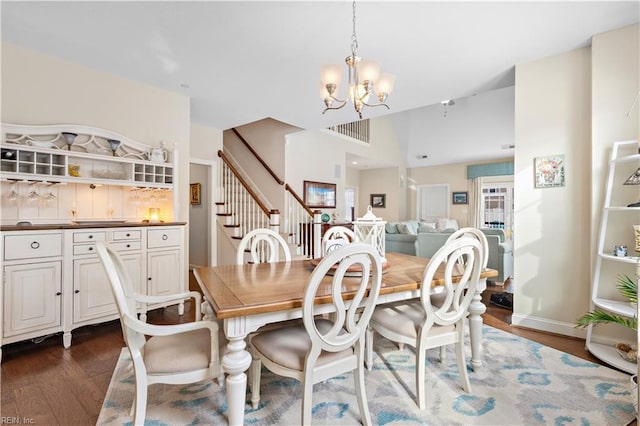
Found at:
(84, 225)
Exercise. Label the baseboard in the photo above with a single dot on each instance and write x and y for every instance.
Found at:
(550, 326)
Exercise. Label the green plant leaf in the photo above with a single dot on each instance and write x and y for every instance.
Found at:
(601, 317)
(628, 288)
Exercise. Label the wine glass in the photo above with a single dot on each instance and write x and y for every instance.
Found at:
(12, 196)
(33, 198)
(49, 199)
(113, 144)
(135, 196)
(69, 138)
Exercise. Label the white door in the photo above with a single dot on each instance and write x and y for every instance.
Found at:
(432, 202)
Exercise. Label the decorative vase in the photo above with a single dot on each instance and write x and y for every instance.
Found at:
(636, 233)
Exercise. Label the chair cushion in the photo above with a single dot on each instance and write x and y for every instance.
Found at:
(289, 346)
(178, 353)
(405, 318)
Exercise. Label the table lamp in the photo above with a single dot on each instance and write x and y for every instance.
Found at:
(634, 179)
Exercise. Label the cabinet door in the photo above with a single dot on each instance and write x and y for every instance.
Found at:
(32, 297)
(92, 290)
(164, 273)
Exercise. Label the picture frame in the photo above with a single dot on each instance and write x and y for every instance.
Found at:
(195, 194)
(461, 197)
(320, 195)
(378, 201)
(549, 171)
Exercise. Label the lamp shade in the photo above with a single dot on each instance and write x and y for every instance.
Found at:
(368, 70)
(385, 83)
(331, 74)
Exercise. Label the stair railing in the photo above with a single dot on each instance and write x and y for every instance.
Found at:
(239, 205)
(302, 225)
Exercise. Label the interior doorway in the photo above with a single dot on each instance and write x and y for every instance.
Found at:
(432, 201)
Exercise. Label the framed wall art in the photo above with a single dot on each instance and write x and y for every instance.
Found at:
(378, 200)
(195, 194)
(549, 171)
(460, 198)
(319, 195)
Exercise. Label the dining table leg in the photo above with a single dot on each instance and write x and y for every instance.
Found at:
(235, 362)
(476, 309)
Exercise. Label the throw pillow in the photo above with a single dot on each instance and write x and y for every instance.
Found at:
(391, 228)
(406, 228)
(427, 227)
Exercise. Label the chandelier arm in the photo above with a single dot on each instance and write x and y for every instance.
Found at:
(338, 107)
(376, 105)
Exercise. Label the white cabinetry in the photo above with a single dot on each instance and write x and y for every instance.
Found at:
(616, 229)
(46, 292)
(32, 290)
(39, 153)
(165, 275)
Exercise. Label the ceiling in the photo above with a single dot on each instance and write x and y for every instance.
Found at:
(243, 61)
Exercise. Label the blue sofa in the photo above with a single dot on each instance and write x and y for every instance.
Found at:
(400, 237)
(500, 249)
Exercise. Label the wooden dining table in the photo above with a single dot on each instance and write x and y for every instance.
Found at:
(249, 296)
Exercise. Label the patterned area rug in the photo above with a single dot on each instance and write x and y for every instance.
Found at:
(521, 383)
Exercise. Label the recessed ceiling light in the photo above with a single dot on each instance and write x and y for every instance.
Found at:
(354, 162)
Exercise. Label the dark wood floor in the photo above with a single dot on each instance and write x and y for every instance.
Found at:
(52, 386)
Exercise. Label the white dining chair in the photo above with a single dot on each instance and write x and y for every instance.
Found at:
(420, 324)
(263, 246)
(335, 237)
(320, 348)
(172, 354)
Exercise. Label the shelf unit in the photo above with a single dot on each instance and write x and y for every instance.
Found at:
(41, 154)
(616, 229)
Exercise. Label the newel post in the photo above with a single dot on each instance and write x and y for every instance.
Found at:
(274, 220)
(317, 234)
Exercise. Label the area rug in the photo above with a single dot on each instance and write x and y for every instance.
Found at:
(521, 383)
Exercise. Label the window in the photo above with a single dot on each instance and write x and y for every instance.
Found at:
(349, 204)
(497, 206)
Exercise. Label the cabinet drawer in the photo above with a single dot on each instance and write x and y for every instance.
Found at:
(34, 245)
(126, 235)
(123, 246)
(84, 249)
(87, 237)
(164, 238)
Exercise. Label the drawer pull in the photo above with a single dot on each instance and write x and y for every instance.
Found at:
(90, 237)
(90, 248)
(77, 291)
(128, 235)
(128, 245)
(35, 245)
(165, 237)
(58, 293)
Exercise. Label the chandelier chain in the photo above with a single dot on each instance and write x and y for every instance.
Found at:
(354, 37)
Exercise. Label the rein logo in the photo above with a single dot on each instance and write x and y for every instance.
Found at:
(16, 420)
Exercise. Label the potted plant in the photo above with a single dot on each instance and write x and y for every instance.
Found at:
(627, 287)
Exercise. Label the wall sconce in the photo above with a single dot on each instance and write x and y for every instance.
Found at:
(154, 215)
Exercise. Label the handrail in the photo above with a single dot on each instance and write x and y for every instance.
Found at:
(244, 183)
(255, 154)
(298, 199)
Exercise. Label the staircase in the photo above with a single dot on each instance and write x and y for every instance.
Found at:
(241, 208)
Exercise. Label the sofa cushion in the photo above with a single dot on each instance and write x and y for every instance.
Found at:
(391, 228)
(408, 228)
(427, 227)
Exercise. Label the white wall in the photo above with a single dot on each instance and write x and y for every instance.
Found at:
(323, 152)
(455, 175)
(554, 245)
(41, 89)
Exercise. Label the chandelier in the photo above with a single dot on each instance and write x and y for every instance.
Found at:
(365, 80)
